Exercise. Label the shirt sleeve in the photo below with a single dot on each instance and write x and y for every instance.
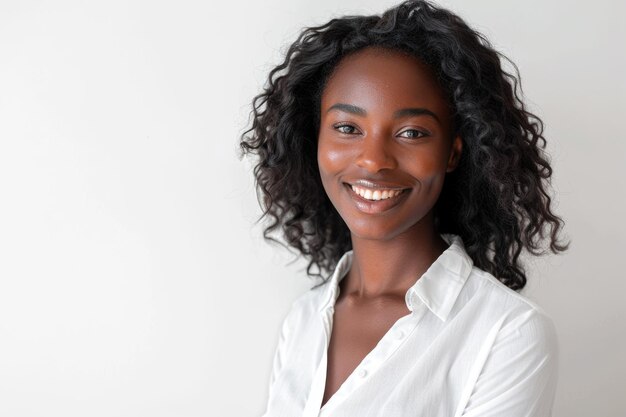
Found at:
(279, 354)
(278, 358)
(520, 373)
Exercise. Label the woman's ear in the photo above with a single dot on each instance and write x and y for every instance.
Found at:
(455, 153)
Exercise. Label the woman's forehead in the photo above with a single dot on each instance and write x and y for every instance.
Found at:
(380, 78)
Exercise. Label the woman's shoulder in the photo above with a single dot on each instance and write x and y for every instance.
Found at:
(487, 285)
(516, 354)
(507, 310)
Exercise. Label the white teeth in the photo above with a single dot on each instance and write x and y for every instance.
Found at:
(376, 194)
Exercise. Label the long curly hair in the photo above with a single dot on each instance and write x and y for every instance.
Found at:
(497, 199)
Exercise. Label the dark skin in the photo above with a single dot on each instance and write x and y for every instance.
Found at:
(413, 150)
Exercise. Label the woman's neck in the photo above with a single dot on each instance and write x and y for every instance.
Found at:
(390, 267)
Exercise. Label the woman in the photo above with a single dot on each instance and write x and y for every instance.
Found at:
(395, 154)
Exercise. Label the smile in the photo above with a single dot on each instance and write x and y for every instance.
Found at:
(380, 194)
(375, 201)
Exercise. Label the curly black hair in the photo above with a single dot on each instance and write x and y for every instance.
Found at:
(497, 199)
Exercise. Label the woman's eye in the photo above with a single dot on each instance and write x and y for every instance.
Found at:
(348, 129)
(409, 133)
(413, 133)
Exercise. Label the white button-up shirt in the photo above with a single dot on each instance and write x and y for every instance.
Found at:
(469, 347)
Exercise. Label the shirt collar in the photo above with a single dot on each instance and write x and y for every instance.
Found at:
(438, 288)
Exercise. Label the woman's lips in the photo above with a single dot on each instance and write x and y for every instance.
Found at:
(376, 206)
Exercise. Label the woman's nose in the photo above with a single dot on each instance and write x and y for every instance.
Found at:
(376, 154)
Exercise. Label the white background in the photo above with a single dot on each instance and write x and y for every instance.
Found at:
(133, 281)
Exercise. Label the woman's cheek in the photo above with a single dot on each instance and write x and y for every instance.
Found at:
(332, 158)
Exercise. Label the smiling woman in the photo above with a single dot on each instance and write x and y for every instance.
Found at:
(395, 154)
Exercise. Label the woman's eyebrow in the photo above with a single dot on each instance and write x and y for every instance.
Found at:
(412, 111)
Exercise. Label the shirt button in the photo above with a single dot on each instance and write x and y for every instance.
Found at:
(362, 373)
(399, 334)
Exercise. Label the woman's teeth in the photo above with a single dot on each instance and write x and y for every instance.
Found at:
(375, 194)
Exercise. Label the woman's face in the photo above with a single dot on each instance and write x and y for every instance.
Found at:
(385, 143)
